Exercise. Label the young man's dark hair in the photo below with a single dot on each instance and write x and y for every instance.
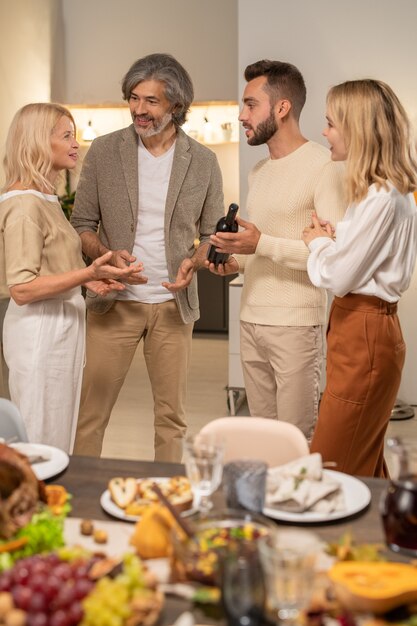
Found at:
(283, 81)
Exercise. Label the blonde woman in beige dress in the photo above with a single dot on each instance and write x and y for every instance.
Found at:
(42, 266)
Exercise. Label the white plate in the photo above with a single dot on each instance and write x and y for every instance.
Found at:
(112, 509)
(57, 459)
(357, 497)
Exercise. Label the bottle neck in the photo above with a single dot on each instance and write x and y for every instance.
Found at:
(230, 217)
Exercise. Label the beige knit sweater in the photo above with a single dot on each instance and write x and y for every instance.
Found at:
(282, 194)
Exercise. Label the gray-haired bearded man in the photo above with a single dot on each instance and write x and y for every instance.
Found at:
(146, 192)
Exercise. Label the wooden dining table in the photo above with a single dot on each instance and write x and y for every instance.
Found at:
(86, 478)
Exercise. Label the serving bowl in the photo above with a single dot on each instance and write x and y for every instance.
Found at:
(215, 536)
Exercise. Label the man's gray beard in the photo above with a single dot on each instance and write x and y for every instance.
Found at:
(264, 131)
(155, 130)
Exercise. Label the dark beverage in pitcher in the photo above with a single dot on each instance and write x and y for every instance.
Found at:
(226, 224)
(399, 515)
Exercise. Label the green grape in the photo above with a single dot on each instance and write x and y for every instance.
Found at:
(71, 553)
(133, 571)
(108, 604)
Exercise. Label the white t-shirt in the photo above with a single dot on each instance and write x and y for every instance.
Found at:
(149, 247)
(375, 249)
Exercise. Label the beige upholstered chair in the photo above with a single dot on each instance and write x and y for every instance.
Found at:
(272, 441)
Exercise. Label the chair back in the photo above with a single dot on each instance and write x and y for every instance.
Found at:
(12, 426)
(272, 441)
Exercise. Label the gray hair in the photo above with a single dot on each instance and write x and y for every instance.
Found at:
(163, 67)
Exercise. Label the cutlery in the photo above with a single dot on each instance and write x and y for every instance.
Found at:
(37, 458)
(186, 527)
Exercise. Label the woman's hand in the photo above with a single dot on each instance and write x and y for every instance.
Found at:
(318, 228)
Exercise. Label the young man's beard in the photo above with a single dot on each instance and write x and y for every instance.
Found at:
(264, 131)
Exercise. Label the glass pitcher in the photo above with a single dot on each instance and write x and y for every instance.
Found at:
(398, 505)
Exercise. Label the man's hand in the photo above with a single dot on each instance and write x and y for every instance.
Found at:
(242, 242)
(121, 258)
(101, 269)
(136, 279)
(184, 276)
(224, 269)
(318, 228)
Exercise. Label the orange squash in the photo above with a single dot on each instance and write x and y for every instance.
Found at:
(152, 536)
(375, 587)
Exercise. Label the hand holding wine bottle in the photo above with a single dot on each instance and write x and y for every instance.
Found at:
(226, 242)
(226, 224)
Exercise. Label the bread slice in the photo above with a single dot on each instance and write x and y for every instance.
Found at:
(182, 502)
(177, 489)
(135, 495)
(123, 491)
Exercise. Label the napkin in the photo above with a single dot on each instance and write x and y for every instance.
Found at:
(303, 486)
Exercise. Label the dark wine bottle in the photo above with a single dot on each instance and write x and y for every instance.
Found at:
(226, 224)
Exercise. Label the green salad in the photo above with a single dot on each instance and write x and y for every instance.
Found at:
(44, 533)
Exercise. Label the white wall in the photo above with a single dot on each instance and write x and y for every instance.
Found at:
(29, 29)
(104, 37)
(331, 41)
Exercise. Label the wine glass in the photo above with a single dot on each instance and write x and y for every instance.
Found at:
(203, 457)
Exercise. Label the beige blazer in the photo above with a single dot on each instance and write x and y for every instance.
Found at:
(107, 201)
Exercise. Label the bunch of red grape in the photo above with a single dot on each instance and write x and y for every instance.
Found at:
(49, 589)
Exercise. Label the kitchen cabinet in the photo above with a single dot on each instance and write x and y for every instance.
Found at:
(213, 293)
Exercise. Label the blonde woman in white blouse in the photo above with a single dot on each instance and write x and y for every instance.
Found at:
(42, 266)
(367, 266)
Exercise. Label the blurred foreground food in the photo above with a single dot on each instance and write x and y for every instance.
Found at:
(72, 587)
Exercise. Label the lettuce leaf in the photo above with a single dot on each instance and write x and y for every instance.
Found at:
(44, 533)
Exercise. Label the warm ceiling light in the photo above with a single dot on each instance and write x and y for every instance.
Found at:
(88, 133)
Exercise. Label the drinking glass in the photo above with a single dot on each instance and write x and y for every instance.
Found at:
(288, 559)
(244, 484)
(203, 457)
(242, 586)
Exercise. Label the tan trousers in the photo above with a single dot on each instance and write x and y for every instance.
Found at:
(282, 369)
(365, 357)
(112, 340)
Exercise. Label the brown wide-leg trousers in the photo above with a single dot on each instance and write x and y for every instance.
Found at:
(365, 357)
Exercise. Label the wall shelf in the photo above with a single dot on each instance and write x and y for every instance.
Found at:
(212, 123)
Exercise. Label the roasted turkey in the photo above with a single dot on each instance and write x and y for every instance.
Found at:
(20, 491)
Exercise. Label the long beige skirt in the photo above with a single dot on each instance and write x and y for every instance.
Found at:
(44, 346)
